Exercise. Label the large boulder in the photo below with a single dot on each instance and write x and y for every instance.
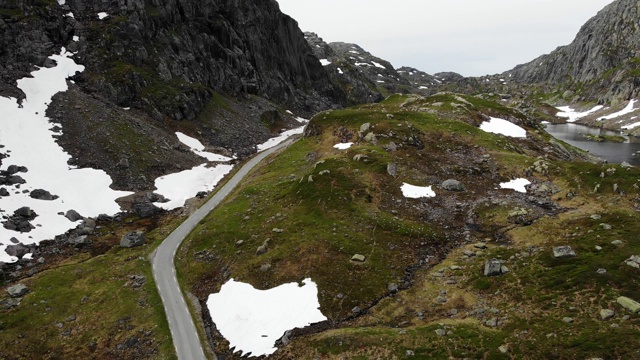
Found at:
(132, 239)
(17, 290)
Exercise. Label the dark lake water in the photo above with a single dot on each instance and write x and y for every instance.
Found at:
(613, 152)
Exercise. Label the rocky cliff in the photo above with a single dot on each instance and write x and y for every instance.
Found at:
(206, 68)
(604, 55)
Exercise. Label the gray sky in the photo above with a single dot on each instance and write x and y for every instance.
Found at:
(471, 37)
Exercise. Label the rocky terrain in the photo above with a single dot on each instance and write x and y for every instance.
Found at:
(476, 271)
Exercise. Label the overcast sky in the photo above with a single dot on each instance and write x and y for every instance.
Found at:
(471, 37)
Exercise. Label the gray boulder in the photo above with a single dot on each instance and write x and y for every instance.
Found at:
(17, 290)
(563, 252)
(392, 169)
(40, 194)
(132, 239)
(452, 185)
(493, 267)
(73, 215)
(18, 250)
(4, 192)
(606, 314)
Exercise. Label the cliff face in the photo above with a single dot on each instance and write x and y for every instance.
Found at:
(211, 69)
(604, 54)
(169, 54)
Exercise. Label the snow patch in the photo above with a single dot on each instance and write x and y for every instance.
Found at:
(518, 185)
(343, 146)
(503, 127)
(27, 134)
(282, 137)
(252, 320)
(378, 65)
(196, 146)
(416, 192)
(76, 38)
(572, 115)
(184, 185)
(325, 62)
(340, 71)
(363, 64)
(102, 15)
(627, 110)
(631, 126)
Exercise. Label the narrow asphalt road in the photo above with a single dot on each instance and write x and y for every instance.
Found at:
(183, 330)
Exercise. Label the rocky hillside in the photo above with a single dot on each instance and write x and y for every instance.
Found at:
(194, 66)
(601, 63)
(417, 246)
(367, 78)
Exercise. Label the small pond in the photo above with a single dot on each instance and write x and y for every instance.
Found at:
(613, 152)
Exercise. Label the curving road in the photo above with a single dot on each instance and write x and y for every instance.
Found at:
(183, 330)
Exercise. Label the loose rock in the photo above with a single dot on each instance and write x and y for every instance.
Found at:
(17, 290)
(606, 314)
(629, 304)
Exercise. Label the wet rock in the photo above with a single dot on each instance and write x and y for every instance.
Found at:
(132, 239)
(452, 185)
(562, 252)
(17, 290)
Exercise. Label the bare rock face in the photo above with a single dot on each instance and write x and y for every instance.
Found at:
(607, 41)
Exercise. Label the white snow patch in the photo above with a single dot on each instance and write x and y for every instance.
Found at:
(573, 116)
(102, 15)
(28, 256)
(252, 320)
(289, 112)
(518, 185)
(61, 2)
(340, 71)
(325, 62)
(69, 15)
(628, 109)
(354, 52)
(363, 64)
(423, 87)
(26, 133)
(503, 127)
(76, 38)
(282, 137)
(378, 65)
(184, 185)
(302, 120)
(196, 146)
(631, 126)
(416, 192)
(343, 146)
(380, 81)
